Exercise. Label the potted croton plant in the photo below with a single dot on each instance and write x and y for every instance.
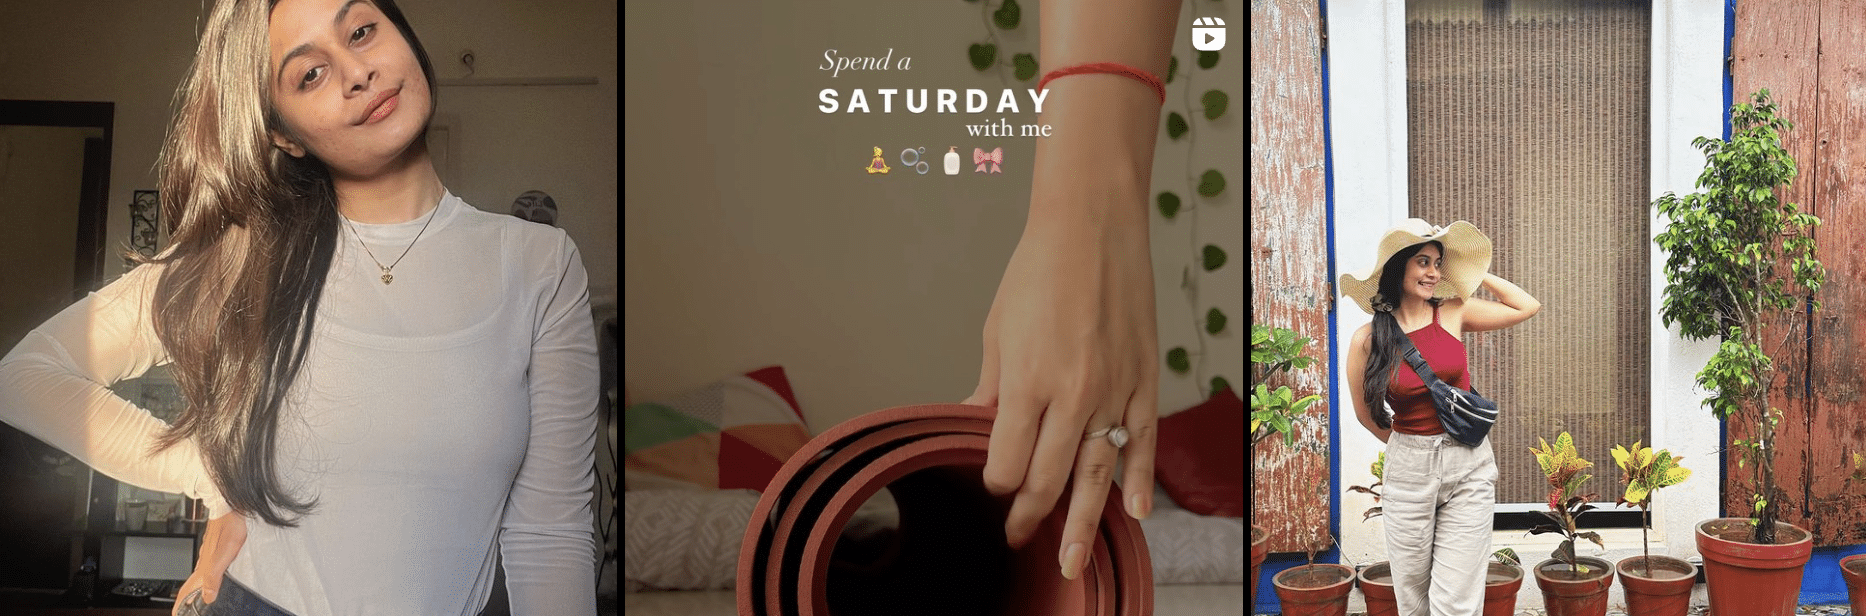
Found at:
(1738, 258)
(1501, 582)
(1655, 585)
(1273, 350)
(1571, 585)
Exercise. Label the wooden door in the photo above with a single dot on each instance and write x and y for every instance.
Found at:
(1810, 57)
(1290, 491)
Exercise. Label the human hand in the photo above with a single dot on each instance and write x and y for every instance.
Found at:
(220, 543)
(1070, 348)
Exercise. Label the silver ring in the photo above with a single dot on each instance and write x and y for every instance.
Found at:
(1116, 435)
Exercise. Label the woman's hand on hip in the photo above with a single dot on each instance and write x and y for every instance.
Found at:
(1071, 347)
(220, 543)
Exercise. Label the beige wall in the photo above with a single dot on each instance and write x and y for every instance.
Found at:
(753, 237)
(503, 140)
(41, 173)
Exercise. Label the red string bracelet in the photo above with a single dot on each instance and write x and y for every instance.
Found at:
(1111, 68)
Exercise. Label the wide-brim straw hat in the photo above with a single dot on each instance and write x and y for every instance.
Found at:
(1467, 260)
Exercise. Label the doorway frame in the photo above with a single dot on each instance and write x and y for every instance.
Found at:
(94, 191)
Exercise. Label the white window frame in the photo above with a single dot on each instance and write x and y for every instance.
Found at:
(1367, 121)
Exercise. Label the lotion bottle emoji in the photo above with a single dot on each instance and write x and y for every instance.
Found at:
(952, 161)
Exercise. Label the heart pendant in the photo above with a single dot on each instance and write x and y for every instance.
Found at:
(387, 278)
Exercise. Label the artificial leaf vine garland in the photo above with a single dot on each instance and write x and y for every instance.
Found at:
(1211, 183)
(985, 55)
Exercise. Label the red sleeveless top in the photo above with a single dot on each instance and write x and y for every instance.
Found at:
(1413, 411)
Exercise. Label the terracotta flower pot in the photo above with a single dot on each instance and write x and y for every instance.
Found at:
(1662, 588)
(1575, 593)
(1259, 548)
(1376, 583)
(1853, 569)
(1751, 579)
(1314, 590)
(1500, 588)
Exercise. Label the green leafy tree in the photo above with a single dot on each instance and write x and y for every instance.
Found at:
(1644, 471)
(1562, 465)
(1733, 251)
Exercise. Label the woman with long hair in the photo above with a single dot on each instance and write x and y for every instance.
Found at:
(385, 387)
(1440, 495)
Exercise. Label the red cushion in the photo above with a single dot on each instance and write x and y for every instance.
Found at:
(1200, 461)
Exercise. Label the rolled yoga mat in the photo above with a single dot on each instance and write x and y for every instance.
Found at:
(948, 556)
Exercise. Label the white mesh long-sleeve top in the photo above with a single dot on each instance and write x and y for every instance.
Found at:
(438, 421)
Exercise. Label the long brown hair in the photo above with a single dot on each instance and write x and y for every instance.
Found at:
(1383, 357)
(252, 234)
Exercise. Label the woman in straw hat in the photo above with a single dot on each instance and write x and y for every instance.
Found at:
(1439, 494)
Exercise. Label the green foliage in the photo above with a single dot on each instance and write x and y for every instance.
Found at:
(1211, 183)
(1214, 102)
(1172, 66)
(1379, 469)
(1737, 258)
(982, 55)
(1208, 59)
(1169, 204)
(1178, 360)
(1214, 257)
(1214, 321)
(1175, 126)
(1644, 470)
(1274, 350)
(1007, 15)
(1562, 465)
(1026, 66)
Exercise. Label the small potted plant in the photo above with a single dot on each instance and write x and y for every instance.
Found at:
(1853, 568)
(1315, 589)
(1502, 582)
(1571, 585)
(1655, 585)
(1273, 350)
(1376, 580)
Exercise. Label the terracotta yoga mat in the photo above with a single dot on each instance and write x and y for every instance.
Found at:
(948, 555)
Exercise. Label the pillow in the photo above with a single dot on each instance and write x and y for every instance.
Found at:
(1200, 459)
(1193, 549)
(684, 539)
(731, 434)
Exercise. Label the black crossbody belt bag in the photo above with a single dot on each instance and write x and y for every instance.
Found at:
(1467, 417)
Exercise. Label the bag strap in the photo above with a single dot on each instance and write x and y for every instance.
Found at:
(1417, 361)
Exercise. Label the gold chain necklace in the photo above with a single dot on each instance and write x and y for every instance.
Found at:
(388, 277)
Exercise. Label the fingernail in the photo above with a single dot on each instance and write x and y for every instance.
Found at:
(1072, 561)
(1137, 506)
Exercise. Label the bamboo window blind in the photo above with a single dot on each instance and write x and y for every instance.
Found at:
(1533, 125)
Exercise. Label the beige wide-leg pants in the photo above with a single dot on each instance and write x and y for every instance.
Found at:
(1439, 499)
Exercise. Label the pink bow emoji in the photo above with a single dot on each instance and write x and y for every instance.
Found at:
(979, 157)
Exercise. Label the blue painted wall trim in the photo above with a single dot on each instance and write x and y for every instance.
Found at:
(1334, 385)
(1723, 427)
